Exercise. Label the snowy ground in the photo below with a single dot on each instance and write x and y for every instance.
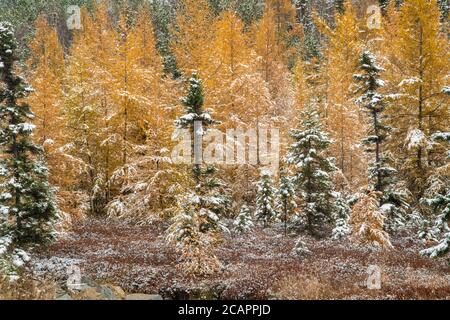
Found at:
(256, 265)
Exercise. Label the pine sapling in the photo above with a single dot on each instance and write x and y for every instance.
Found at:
(286, 203)
(439, 203)
(312, 170)
(244, 221)
(265, 200)
(341, 217)
(300, 249)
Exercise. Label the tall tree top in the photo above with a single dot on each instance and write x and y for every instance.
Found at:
(369, 81)
(26, 198)
(16, 87)
(193, 103)
(8, 45)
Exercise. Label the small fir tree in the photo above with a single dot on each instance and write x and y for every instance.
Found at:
(441, 204)
(341, 217)
(312, 170)
(438, 201)
(265, 199)
(300, 249)
(244, 222)
(286, 203)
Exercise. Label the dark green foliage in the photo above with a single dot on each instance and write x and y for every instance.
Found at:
(382, 177)
(26, 198)
(311, 170)
(209, 190)
(286, 203)
(265, 200)
(311, 37)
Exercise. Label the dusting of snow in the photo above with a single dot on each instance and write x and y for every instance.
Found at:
(415, 138)
(409, 81)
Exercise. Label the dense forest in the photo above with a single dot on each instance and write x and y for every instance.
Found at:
(219, 130)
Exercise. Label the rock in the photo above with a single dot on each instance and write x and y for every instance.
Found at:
(88, 289)
(146, 297)
(106, 293)
(64, 297)
(89, 293)
(59, 291)
(88, 282)
(110, 292)
(101, 292)
(117, 291)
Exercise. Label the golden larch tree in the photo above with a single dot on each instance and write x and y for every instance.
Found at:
(343, 119)
(229, 63)
(416, 56)
(83, 113)
(47, 70)
(192, 36)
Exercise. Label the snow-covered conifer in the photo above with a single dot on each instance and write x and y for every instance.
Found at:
(196, 224)
(193, 103)
(341, 217)
(26, 199)
(265, 199)
(300, 249)
(441, 204)
(312, 170)
(244, 221)
(438, 199)
(382, 177)
(286, 203)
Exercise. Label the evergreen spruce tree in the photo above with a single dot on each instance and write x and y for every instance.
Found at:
(196, 225)
(300, 249)
(26, 200)
(312, 170)
(248, 10)
(265, 199)
(341, 217)
(244, 221)
(209, 188)
(439, 202)
(311, 36)
(161, 16)
(444, 6)
(382, 177)
(195, 114)
(286, 198)
(374, 103)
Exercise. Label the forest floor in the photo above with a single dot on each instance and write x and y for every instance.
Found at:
(257, 265)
